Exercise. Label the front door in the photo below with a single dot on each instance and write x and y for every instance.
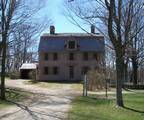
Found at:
(71, 72)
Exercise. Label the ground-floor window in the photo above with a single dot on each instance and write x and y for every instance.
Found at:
(51, 70)
(55, 70)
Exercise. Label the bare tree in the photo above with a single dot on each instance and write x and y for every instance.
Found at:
(7, 10)
(117, 16)
(23, 44)
(14, 13)
(137, 40)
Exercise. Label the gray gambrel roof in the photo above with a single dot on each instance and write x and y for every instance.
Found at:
(86, 42)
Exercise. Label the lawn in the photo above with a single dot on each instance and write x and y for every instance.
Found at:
(99, 108)
(13, 96)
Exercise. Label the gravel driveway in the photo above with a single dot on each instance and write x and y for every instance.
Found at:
(44, 104)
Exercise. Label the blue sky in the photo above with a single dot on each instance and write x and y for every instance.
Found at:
(61, 23)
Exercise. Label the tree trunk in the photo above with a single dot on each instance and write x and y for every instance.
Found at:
(135, 69)
(126, 72)
(25, 52)
(0, 47)
(120, 78)
(3, 72)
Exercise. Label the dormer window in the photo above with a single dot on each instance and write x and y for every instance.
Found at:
(71, 45)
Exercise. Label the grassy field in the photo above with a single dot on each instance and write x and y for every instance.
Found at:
(14, 96)
(99, 108)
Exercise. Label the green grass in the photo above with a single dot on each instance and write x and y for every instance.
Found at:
(92, 108)
(14, 96)
(55, 85)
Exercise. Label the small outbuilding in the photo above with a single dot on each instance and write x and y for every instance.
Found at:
(26, 68)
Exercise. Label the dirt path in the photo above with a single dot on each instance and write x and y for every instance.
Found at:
(45, 104)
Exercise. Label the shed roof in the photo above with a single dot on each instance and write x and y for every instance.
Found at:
(28, 66)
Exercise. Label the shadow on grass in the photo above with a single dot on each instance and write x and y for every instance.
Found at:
(32, 82)
(104, 101)
(94, 101)
(34, 106)
(132, 109)
(16, 95)
(36, 115)
(13, 95)
(55, 81)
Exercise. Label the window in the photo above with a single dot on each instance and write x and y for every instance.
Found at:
(85, 56)
(55, 70)
(71, 56)
(46, 70)
(85, 70)
(55, 56)
(95, 56)
(46, 56)
(71, 45)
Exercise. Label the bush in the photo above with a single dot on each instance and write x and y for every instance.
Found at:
(14, 75)
(32, 75)
(7, 74)
(96, 80)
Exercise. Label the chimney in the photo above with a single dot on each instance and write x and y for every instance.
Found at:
(52, 29)
(93, 29)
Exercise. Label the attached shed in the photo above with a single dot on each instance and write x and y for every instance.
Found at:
(26, 68)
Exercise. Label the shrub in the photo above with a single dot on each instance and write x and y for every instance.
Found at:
(96, 80)
(32, 75)
(7, 74)
(14, 75)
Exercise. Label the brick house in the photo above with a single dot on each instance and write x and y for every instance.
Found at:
(68, 56)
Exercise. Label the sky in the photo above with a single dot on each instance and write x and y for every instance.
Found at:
(54, 9)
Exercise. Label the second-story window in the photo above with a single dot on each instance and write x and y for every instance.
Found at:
(55, 56)
(95, 56)
(71, 56)
(71, 44)
(85, 56)
(46, 57)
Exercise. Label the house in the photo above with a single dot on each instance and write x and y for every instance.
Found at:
(68, 56)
